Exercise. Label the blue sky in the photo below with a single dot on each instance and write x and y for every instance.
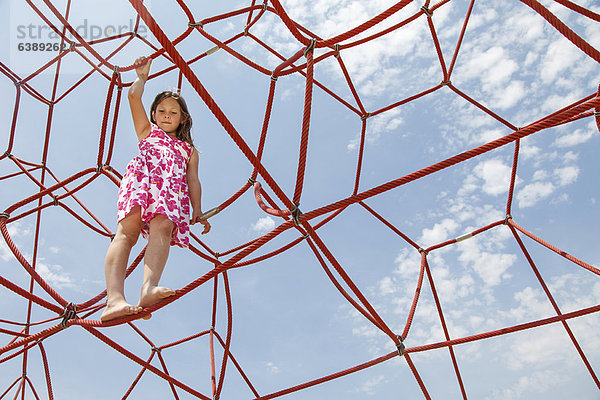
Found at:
(290, 324)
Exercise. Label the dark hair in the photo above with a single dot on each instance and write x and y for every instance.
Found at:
(184, 129)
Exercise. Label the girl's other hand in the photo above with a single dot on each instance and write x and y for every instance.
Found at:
(142, 67)
(206, 226)
(196, 218)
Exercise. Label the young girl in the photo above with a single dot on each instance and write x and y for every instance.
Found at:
(154, 196)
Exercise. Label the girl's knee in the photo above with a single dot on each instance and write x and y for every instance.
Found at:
(161, 225)
(129, 229)
(129, 237)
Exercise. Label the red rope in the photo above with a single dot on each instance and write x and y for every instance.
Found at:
(30, 333)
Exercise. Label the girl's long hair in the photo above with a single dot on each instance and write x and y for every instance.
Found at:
(185, 126)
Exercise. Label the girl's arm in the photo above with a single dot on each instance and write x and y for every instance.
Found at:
(195, 191)
(140, 119)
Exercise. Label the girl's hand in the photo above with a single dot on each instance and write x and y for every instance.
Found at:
(196, 218)
(142, 67)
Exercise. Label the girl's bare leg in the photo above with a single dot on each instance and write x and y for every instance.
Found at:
(115, 265)
(157, 252)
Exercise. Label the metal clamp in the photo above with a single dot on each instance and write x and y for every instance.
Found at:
(426, 11)
(195, 24)
(423, 251)
(296, 213)
(400, 346)
(70, 312)
(311, 46)
(508, 217)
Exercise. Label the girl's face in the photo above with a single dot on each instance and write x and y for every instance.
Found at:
(168, 115)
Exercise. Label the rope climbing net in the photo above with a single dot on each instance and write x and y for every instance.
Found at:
(25, 335)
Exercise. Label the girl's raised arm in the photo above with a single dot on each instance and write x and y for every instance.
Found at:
(140, 118)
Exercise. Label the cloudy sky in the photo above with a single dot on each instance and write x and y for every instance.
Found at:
(290, 323)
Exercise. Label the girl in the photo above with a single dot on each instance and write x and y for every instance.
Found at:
(154, 196)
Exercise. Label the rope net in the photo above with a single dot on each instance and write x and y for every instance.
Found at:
(277, 162)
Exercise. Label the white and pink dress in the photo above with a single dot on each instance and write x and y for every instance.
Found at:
(156, 181)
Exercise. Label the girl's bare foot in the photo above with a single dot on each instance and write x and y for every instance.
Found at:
(118, 309)
(152, 295)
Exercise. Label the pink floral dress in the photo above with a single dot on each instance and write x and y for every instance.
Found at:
(156, 181)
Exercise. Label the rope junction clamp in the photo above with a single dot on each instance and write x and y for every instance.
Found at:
(70, 312)
(273, 77)
(195, 24)
(310, 47)
(400, 346)
(116, 70)
(251, 181)
(337, 50)
(5, 215)
(364, 117)
(156, 349)
(55, 200)
(508, 216)
(296, 213)
(426, 11)
(445, 83)
(423, 251)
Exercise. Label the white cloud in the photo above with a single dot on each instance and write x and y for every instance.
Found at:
(439, 232)
(386, 286)
(368, 387)
(574, 138)
(54, 275)
(15, 230)
(379, 124)
(566, 175)
(534, 192)
(274, 369)
(495, 175)
(264, 225)
(509, 95)
(491, 267)
(560, 56)
(532, 385)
